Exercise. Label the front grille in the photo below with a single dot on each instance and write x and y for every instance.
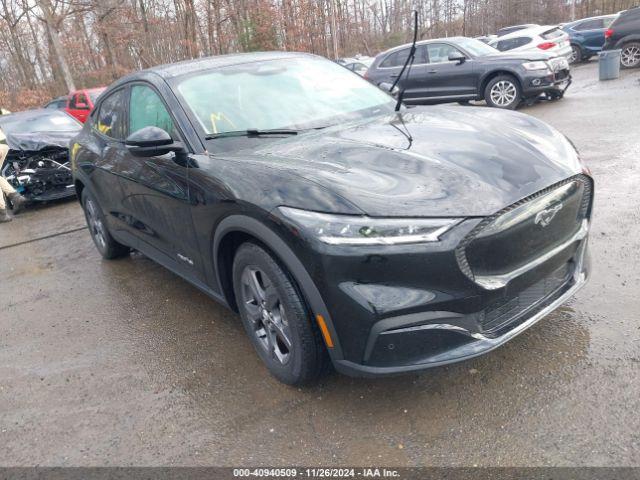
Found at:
(510, 309)
(496, 245)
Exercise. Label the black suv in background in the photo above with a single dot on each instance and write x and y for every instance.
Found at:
(624, 34)
(462, 69)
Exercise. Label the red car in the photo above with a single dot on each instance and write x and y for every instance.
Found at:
(81, 102)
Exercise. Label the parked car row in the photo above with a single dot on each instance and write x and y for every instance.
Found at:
(585, 37)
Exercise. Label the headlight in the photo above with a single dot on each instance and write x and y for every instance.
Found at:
(362, 230)
(540, 65)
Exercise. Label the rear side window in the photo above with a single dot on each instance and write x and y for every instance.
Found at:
(396, 59)
(552, 34)
(511, 43)
(590, 25)
(78, 100)
(110, 119)
(147, 110)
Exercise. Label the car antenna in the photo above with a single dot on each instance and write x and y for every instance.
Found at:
(408, 61)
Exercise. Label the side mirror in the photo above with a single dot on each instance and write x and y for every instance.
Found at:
(152, 142)
(457, 57)
(387, 88)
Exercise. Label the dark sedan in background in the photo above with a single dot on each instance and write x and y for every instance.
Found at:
(463, 69)
(59, 103)
(587, 36)
(388, 241)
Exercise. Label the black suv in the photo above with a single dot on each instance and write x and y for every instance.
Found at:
(463, 69)
(291, 190)
(624, 34)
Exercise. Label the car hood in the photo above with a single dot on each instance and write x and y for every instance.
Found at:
(525, 55)
(34, 142)
(433, 161)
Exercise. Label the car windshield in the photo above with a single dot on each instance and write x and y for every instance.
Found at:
(476, 47)
(292, 93)
(46, 122)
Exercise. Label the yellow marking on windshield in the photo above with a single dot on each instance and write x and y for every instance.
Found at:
(220, 117)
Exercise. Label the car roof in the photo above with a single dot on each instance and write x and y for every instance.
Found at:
(207, 63)
(425, 42)
(88, 90)
(525, 32)
(575, 22)
(525, 25)
(27, 114)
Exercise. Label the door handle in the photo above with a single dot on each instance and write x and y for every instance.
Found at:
(394, 75)
(432, 71)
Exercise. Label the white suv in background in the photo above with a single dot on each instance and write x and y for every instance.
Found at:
(548, 38)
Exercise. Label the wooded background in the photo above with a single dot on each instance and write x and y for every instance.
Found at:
(49, 47)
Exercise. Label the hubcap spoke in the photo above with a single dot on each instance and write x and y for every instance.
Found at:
(271, 297)
(630, 56)
(282, 333)
(95, 224)
(254, 284)
(263, 308)
(253, 311)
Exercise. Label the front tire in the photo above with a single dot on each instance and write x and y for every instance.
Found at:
(503, 92)
(630, 55)
(104, 242)
(276, 317)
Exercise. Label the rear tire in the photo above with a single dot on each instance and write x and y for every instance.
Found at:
(577, 55)
(503, 92)
(276, 317)
(630, 56)
(104, 242)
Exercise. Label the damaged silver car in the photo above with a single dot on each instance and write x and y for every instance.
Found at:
(37, 163)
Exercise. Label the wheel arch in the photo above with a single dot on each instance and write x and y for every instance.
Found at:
(235, 230)
(496, 73)
(634, 37)
(79, 185)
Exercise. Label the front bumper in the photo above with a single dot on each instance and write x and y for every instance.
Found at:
(535, 85)
(456, 341)
(402, 308)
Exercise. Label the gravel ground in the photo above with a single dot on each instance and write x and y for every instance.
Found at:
(123, 363)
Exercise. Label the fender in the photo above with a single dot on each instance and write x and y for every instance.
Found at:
(491, 73)
(251, 226)
(634, 37)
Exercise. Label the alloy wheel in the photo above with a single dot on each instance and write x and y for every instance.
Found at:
(630, 56)
(575, 54)
(266, 313)
(503, 93)
(95, 224)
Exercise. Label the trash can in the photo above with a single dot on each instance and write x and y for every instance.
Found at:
(609, 63)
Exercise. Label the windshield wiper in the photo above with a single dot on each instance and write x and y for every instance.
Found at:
(252, 132)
